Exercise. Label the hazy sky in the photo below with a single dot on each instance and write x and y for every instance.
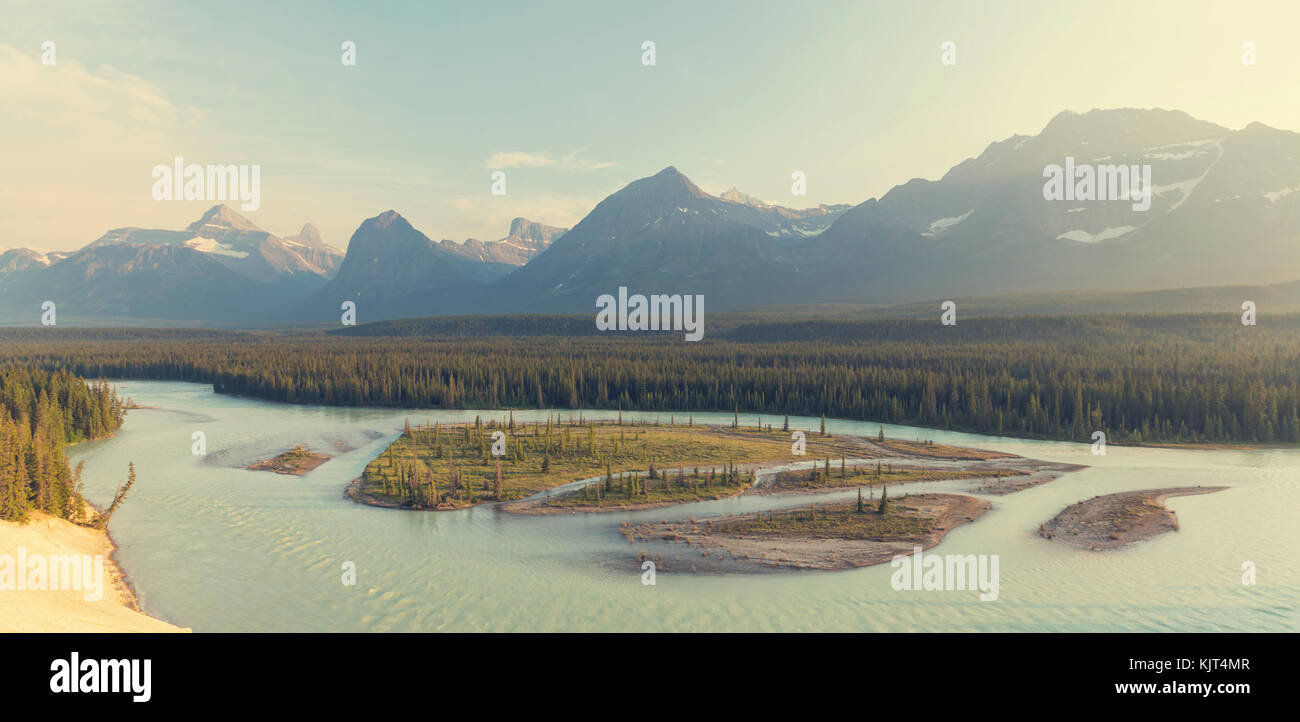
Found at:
(743, 93)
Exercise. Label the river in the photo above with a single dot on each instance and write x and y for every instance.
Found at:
(215, 547)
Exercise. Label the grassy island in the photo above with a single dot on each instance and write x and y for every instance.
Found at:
(451, 466)
(613, 465)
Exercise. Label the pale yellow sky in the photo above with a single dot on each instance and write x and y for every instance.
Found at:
(742, 94)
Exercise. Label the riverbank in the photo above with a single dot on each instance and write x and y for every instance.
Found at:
(823, 536)
(1115, 520)
(108, 605)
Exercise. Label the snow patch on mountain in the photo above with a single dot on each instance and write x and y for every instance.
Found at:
(1195, 148)
(1081, 236)
(1275, 196)
(944, 224)
(208, 245)
(1186, 187)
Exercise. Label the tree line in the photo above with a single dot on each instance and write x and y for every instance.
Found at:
(1196, 378)
(41, 412)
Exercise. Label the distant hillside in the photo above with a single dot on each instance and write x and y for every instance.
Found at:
(1272, 303)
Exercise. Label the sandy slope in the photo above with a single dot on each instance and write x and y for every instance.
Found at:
(69, 611)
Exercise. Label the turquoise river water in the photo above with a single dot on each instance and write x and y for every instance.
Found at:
(212, 546)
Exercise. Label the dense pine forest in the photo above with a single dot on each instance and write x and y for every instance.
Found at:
(42, 411)
(1194, 378)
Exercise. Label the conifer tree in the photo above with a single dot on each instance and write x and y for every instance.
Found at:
(118, 497)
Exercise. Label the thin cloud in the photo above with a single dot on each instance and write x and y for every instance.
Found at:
(519, 159)
(571, 161)
(86, 139)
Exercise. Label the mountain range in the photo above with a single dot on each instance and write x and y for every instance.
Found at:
(498, 258)
(1224, 211)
